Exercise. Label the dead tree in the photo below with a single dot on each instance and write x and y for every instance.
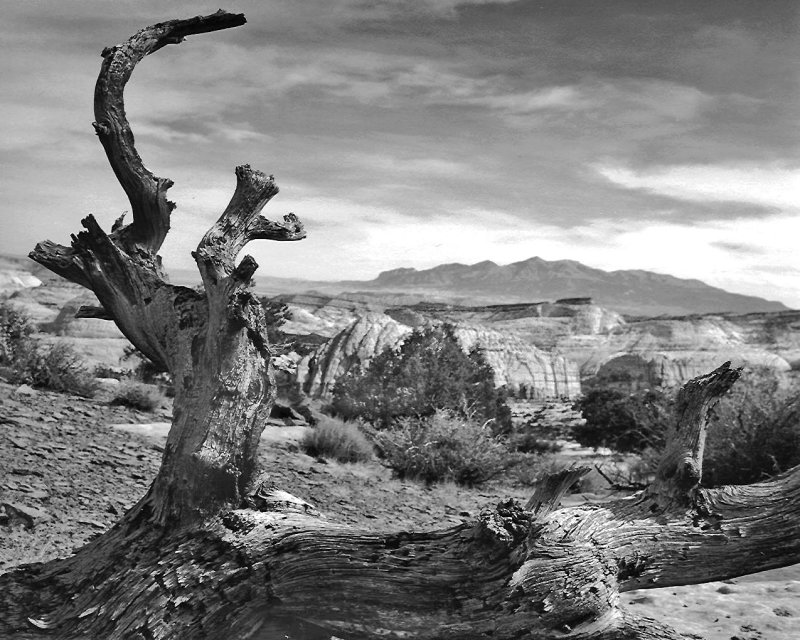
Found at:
(209, 552)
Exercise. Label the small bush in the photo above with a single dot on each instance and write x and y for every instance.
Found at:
(624, 422)
(107, 371)
(58, 367)
(427, 372)
(444, 446)
(16, 328)
(754, 431)
(527, 442)
(138, 395)
(342, 441)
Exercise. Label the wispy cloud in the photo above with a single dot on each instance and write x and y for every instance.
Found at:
(410, 133)
(777, 186)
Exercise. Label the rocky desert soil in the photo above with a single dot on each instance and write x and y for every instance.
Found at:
(67, 473)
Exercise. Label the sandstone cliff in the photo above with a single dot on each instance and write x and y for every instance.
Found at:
(670, 351)
(354, 346)
(516, 363)
(520, 366)
(323, 315)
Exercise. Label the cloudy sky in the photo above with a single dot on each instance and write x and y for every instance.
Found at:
(406, 133)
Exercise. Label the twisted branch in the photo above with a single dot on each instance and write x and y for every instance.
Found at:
(146, 192)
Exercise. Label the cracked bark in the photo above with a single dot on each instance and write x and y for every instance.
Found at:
(211, 552)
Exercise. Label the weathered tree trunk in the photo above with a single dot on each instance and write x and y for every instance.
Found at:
(210, 552)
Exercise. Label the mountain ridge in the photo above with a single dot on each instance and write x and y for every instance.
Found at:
(631, 291)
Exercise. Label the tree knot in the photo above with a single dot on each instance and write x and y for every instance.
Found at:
(508, 524)
(101, 128)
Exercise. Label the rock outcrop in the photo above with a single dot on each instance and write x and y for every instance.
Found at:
(670, 351)
(517, 364)
(638, 353)
(543, 324)
(520, 366)
(14, 280)
(354, 346)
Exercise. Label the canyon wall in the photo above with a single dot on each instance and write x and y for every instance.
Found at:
(516, 363)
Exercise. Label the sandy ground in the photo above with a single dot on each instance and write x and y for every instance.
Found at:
(72, 468)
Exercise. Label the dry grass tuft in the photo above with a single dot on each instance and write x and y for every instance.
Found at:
(342, 441)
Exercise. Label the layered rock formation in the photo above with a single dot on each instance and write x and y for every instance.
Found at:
(517, 364)
(354, 346)
(52, 307)
(543, 324)
(546, 349)
(14, 280)
(670, 351)
(322, 315)
(520, 366)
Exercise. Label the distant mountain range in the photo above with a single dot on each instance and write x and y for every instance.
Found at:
(632, 292)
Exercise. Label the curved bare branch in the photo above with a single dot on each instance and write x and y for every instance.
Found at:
(146, 192)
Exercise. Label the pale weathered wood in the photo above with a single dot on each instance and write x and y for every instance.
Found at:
(211, 551)
(680, 468)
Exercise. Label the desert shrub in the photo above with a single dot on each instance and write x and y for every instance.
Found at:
(754, 431)
(429, 371)
(146, 371)
(443, 446)
(527, 442)
(138, 395)
(624, 422)
(342, 441)
(16, 328)
(108, 371)
(58, 367)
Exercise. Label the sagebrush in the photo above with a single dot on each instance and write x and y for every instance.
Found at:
(443, 446)
(337, 440)
(29, 361)
(753, 434)
(138, 395)
(16, 328)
